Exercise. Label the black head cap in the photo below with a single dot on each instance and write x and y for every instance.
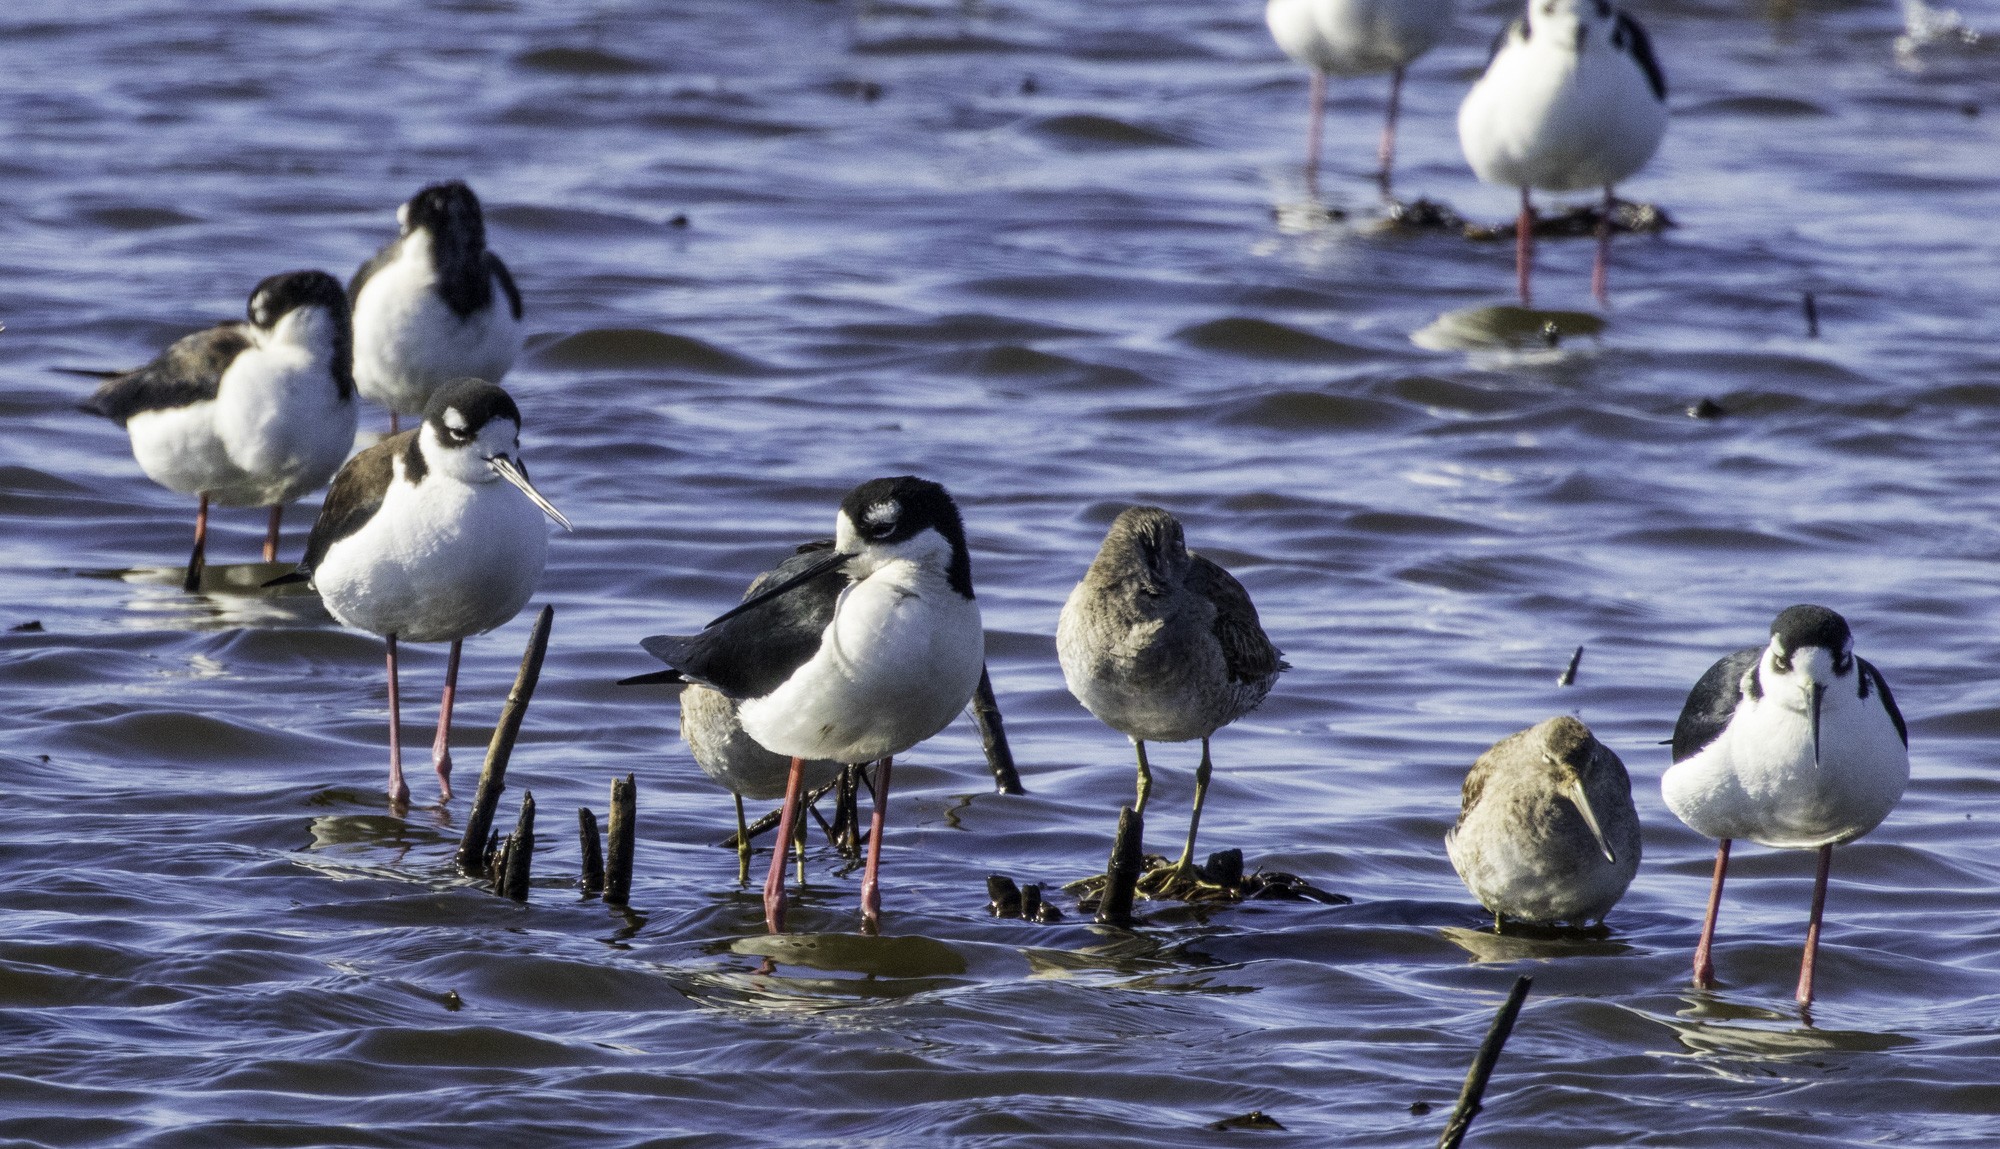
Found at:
(280, 295)
(1806, 625)
(459, 409)
(890, 510)
(450, 212)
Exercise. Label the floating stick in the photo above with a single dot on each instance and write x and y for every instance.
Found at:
(1482, 1066)
(1568, 676)
(518, 855)
(592, 879)
(993, 736)
(473, 851)
(1121, 876)
(618, 855)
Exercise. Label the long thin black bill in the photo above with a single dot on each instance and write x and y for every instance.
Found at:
(831, 562)
(1819, 696)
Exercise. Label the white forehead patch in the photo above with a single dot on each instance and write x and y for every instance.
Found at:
(882, 512)
(453, 419)
(402, 215)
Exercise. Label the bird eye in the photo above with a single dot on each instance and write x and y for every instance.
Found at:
(1842, 661)
(1781, 662)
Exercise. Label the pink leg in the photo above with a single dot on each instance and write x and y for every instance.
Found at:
(1805, 994)
(1524, 249)
(871, 885)
(399, 792)
(441, 749)
(199, 558)
(774, 885)
(1704, 966)
(1600, 272)
(1387, 152)
(1315, 118)
(271, 534)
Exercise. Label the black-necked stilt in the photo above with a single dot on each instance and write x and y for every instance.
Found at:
(432, 535)
(1356, 38)
(1571, 99)
(245, 414)
(433, 306)
(1163, 645)
(1796, 744)
(714, 731)
(1546, 830)
(897, 660)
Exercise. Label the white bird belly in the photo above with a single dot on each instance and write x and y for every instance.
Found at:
(898, 662)
(1758, 779)
(285, 428)
(179, 449)
(1540, 118)
(408, 341)
(439, 561)
(1356, 37)
(731, 757)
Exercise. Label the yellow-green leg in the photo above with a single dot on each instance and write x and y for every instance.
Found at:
(800, 849)
(1186, 865)
(1145, 778)
(742, 845)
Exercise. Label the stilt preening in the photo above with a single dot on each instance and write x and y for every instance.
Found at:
(1546, 831)
(1796, 744)
(434, 305)
(897, 660)
(1572, 99)
(1163, 645)
(1356, 38)
(433, 535)
(245, 414)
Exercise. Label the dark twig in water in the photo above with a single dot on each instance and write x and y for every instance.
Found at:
(1033, 908)
(993, 736)
(1482, 1066)
(618, 854)
(1255, 1119)
(769, 822)
(1122, 874)
(592, 879)
(1812, 316)
(474, 850)
(1568, 676)
(518, 855)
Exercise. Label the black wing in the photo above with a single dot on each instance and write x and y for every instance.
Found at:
(1712, 703)
(498, 270)
(1870, 674)
(186, 373)
(1629, 35)
(751, 654)
(355, 496)
(376, 262)
(1247, 652)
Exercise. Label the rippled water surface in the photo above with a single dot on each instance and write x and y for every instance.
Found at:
(1059, 256)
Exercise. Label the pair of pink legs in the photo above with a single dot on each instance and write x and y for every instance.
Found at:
(871, 887)
(1704, 964)
(198, 560)
(399, 792)
(1386, 154)
(1524, 251)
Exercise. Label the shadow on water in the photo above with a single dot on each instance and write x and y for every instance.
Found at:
(1527, 943)
(1711, 1025)
(231, 595)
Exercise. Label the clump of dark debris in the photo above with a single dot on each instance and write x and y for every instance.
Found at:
(1219, 881)
(1582, 220)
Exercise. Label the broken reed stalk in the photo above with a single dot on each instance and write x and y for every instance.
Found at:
(1482, 1066)
(993, 736)
(474, 854)
(592, 878)
(618, 854)
(518, 855)
(1121, 876)
(1568, 676)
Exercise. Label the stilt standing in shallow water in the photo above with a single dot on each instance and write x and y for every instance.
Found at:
(245, 414)
(434, 305)
(896, 662)
(1571, 99)
(1796, 744)
(433, 535)
(1356, 38)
